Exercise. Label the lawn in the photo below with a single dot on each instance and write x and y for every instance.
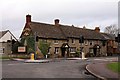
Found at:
(114, 66)
(21, 57)
(6, 57)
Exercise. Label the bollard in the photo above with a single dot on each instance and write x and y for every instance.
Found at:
(46, 56)
(83, 55)
(32, 56)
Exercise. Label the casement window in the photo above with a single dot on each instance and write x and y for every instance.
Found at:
(90, 50)
(1, 50)
(103, 43)
(56, 50)
(44, 40)
(97, 42)
(56, 41)
(86, 42)
(73, 41)
(81, 49)
(90, 43)
(72, 49)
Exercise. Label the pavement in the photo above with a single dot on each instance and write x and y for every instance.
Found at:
(46, 60)
(98, 70)
(101, 71)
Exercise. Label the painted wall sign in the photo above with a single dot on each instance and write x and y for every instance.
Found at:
(21, 49)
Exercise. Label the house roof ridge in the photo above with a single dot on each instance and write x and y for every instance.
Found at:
(2, 33)
(41, 23)
(63, 31)
(60, 25)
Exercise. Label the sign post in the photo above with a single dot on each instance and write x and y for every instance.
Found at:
(81, 40)
(35, 35)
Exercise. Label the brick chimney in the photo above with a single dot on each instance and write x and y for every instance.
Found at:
(28, 18)
(97, 29)
(56, 22)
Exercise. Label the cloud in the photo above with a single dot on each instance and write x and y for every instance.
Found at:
(71, 12)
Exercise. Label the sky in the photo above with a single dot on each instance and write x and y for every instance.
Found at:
(89, 13)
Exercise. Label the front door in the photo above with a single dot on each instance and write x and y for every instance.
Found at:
(63, 51)
(95, 51)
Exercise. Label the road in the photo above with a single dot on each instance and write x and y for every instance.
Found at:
(54, 69)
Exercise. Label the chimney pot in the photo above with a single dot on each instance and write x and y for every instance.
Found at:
(56, 22)
(97, 29)
(28, 18)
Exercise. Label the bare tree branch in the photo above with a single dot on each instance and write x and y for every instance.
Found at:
(112, 29)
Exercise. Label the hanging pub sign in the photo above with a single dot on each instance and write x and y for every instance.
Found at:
(21, 49)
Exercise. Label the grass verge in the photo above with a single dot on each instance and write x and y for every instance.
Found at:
(115, 67)
(10, 57)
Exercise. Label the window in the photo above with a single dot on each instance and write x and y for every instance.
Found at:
(90, 42)
(72, 49)
(81, 49)
(97, 42)
(73, 41)
(1, 50)
(86, 42)
(103, 43)
(90, 50)
(56, 50)
(56, 41)
(44, 40)
(81, 44)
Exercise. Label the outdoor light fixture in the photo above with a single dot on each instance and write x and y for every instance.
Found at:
(66, 46)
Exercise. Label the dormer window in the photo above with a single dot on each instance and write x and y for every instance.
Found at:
(73, 41)
(90, 42)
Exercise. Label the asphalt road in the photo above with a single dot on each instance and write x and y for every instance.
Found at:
(54, 69)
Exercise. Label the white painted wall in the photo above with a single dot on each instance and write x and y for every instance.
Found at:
(6, 37)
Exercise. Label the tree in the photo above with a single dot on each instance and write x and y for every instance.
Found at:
(29, 42)
(15, 47)
(112, 29)
(43, 46)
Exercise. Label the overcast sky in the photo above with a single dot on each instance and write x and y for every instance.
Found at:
(89, 13)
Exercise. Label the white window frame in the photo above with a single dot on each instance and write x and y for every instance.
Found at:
(73, 50)
(86, 42)
(56, 41)
(90, 50)
(44, 40)
(73, 41)
(97, 42)
(56, 50)
(90, 42)
(2, 50)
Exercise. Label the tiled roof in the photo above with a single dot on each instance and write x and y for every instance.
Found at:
(63, 31)
(2, 33)
(109, 36)
(46, 30)
(76, 32)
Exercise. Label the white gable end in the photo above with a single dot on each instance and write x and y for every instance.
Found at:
(6, 37)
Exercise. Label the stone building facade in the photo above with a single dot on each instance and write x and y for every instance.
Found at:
(64, 39)
(6, 38)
